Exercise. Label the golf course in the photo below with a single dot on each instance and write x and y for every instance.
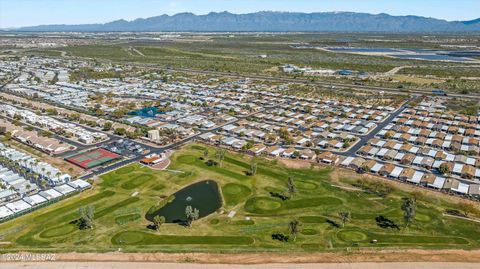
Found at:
(249, 211)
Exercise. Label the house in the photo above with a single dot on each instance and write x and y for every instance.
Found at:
(376, 168)
(257, 149)
(449, 183)
(18, 206)
(274, 151)
(396, 172)
(407, 174)
(386, 170)
(288, 153)
(468, 172)
(460, 187)
(50, 194)
(35, 200)
(390, 154)
(5, 212)
(407, 159)
(416, 178)
(474, 191)
(364, 150)
(328, 158)
(428, 178)
(437, 183)
(307, 154)
(356, 163)
(7, 195)
(368, 165)
(347, 161)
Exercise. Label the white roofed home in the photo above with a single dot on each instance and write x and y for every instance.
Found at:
(275, 151)
(257, 149)
(35, 199)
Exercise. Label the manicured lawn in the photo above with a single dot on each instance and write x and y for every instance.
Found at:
(143, 238)
(119, 219)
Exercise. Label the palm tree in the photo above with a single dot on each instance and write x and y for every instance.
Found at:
(294, 227)
(253, 168)
(291, 188)
(191, 214)
(409, 208)
(345, 217)
(158, 221)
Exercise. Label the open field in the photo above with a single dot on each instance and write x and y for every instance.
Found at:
(120, 222)
(240, 54)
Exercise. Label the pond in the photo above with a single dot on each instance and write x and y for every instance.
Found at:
(149, 112)
(374, 50)
(203, 195)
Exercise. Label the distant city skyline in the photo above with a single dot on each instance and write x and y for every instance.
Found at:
(18, 13)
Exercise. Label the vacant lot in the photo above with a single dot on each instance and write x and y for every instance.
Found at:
(119, 221)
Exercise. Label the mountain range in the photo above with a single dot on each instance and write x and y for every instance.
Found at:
(269, 21)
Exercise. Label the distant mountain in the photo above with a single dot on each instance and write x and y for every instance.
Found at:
(272, 22)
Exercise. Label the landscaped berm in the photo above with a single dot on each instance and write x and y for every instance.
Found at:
(254, 208)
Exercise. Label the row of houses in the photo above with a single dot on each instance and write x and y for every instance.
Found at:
(272, 134)
(31, 138)
(467, 168)
(31, 202)
(259, 148)
(13, 185)
(436, 139)
(384, 169)
(66, 129)
(414, 176)
(53, 175)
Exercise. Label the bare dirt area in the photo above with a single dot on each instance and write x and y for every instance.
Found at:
(144, 265)
(414, 255)
(295, 164)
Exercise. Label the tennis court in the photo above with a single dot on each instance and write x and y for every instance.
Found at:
(93, 158)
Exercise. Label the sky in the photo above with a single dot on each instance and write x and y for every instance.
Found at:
(16, 13)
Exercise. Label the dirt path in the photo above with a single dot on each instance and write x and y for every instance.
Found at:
(416, 255)
(143, 265)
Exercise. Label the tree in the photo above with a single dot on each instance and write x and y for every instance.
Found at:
(365, 168)
(158, 221)
(205, 153)
(253, 168)
(220, 155)
(107, 126)
(191, 214)
(409, 208)
(443, 169)
(86, 217)
(291, 186)
(345, 217)
(120, 131)
(294, 227)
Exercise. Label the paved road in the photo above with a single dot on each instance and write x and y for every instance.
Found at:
(292, 80)
(153, 265)
(351, 152)
(157, 150)
(364, 139)
(338, 86)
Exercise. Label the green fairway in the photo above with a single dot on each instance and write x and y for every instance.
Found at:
(261, 203)
(142, 238)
